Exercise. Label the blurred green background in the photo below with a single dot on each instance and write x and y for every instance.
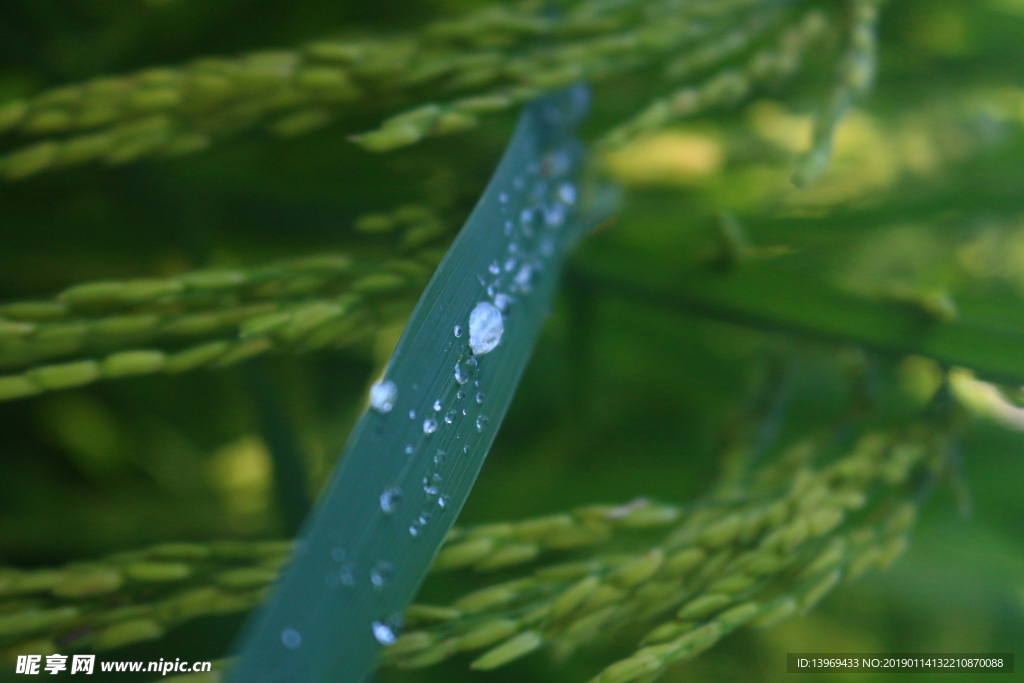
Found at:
(622, 398)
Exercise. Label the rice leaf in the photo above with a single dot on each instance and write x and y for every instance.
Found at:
(414, 455)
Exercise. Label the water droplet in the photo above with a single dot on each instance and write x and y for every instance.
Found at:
(449, 417)
(439, 457)
(465, 412)
(391, 499)
(509, 228)
(458, 330)
(383, 395)
(510, 265)
(460, 394)
(466, 366)
(465, 449)
(503, 197)
(414, 532)
(429, 425)
(409, 449)
(494, 268)
(513, 248)
(347, 574)
(429, 488)
(291, 639)
(485, 328)
(381, 573)
(523, 277)
(338, 554)
(526, 218)
(502, 302)
(481, 421)
(412, 414)
(437, 406)
(384, 634)
(479, 397)
(442, 502)
(567, 193)
(554, 216)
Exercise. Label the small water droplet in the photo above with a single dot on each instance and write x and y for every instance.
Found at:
(437, 406)
(485, 328)
(509, 228)
(526, 218)
(460, 394)
(338, 554)
(409, 449)
(510, 265)
(503, 197)
(381, 573)
(383, 395)
(291, 639)
(383, 633)
(502, 302)
(465, 412)
(449, 417)
(554, 216)
(458, 330)
(414, 532)
(513, 248)
(429, 425)
(429, 488)
(494, 268)
(466, 367)
(412, 414)
(391, 499)
(439, 457)
(479, 397)
(442, 502)
(465, 449)
(523, 278)
(567, 193)
(481, 421)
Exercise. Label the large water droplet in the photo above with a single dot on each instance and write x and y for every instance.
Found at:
(381, 573)
(391, 499)
(383, 633)
(485, 328)
(383, 395)
(465, 368)
(291, 639)
(429, 425)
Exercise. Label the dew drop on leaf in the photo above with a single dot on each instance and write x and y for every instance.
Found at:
(485, 328)
(291, 639)
(391, 499)
(383, 396)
